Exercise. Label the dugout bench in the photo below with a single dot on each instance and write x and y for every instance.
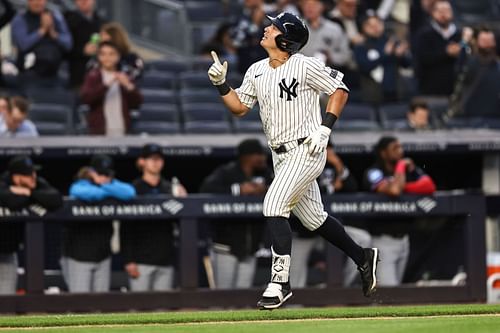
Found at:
(469, 209)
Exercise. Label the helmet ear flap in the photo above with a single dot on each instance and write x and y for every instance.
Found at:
(281, 42)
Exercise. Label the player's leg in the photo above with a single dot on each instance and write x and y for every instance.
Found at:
(403, 257)
(301, 250)
(245, 272)
(79, 276)
(102, 276)
(163, 278)
(293, 172)
(311, 213)
(8, 273)
(225, 265)
(143, 281)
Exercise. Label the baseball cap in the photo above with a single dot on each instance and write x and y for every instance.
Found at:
(22, 165)
(249, 147)
(150, 149)
(102, 164)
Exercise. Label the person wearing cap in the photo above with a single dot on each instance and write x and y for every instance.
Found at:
(148, 246)
(20, 187)
(86, 257)
(235, 242)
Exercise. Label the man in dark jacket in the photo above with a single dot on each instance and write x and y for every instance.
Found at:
(84, 23)
(42, 39)
(235, 242)
(148, 246)
(20, 187)
(437, 50)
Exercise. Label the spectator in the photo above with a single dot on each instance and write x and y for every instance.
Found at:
(148, 246)
(283, 6)
(42, 39)
(248, 32)
(5, 18)
(420, 17)
(394, 175)
(327, 41)
(480, 92)
(221, 43)
(84, 23)
(235, 242)
(379, 58)
(437, 49)
(345, 13)
(13, 118)
(110, 94)
(20, 187)
(130, 63)
(418, 116)
(86, 257)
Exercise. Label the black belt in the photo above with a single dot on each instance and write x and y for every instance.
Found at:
(282, 149)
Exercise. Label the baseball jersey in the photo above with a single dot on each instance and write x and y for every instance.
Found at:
(288, 95)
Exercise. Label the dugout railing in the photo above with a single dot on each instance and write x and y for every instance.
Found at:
(468, 209)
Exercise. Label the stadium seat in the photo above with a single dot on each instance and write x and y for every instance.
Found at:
(393, 116)
(205, 118)
(52, 119)
(201, 64)
(157, 119)
(191, 95)
(172, 66)
(159, 96)
(472, 122)
(158, 80)
(52, 96)
(249, 123)
(357, 117)
(194, 79)
(202, 11)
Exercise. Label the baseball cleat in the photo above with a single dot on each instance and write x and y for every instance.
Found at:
(274, 296)
(368, 271)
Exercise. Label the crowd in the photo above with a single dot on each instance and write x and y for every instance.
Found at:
(391, 51)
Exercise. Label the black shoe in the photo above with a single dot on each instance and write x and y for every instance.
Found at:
(274, 296)
(368, 271)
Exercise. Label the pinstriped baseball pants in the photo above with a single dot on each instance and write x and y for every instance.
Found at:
(295, 189)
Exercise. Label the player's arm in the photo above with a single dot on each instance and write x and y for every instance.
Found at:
(217, 74)
(394, 186)
(336, 103)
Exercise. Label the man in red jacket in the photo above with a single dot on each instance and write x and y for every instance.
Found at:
(393, 175)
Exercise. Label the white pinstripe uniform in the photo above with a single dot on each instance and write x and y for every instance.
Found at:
(288, 97)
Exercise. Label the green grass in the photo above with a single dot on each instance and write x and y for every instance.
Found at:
(392, 319)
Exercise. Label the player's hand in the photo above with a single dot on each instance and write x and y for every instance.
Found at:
(217, 72)
(318, 140)
(132, 270)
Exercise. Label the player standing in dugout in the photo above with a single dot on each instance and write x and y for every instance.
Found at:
(287, 86)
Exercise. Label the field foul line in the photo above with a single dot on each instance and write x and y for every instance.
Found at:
(248, 322)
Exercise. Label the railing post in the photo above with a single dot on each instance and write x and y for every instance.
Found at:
(34, 256)
(188, 261)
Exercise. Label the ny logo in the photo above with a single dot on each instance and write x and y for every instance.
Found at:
(291, 90)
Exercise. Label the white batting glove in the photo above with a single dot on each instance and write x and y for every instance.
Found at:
(217, 72)
(318, 140)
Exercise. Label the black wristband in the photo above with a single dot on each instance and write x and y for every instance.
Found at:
(329, 120)
(223, 89)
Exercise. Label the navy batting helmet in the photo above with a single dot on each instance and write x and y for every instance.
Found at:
(295, 33)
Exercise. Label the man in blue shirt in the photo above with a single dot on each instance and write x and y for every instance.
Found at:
(13, 118)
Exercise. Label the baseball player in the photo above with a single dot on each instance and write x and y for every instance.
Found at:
(287, 86)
